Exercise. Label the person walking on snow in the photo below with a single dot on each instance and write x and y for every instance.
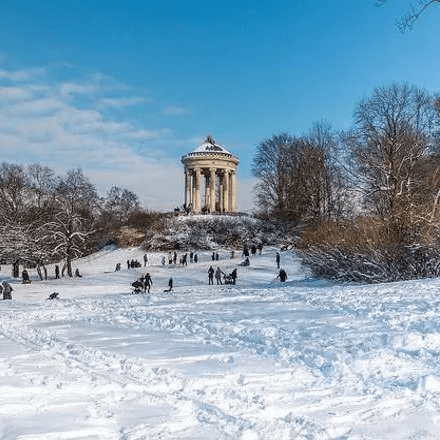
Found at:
(211, 275)
(148, 282)
(170, 285)
(218, 275)
(278, 260)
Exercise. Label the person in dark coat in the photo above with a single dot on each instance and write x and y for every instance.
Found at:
(57, 272)
(211, 275)
(148, 282)
(282, 275)
(77, 274)
(218, 275)
(25, 276)
(7, 289)
(233, 275)
(278, 259)
(170, 285)
(196, 258)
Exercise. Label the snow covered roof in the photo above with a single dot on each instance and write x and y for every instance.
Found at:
(210, 146)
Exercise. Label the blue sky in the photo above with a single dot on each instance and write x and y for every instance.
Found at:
(124, 89)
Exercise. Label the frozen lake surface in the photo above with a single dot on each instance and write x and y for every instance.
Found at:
(305, 359)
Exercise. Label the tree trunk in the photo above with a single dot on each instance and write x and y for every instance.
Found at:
(16, 269)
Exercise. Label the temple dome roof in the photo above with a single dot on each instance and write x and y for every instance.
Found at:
(210, 146)
(210, 149)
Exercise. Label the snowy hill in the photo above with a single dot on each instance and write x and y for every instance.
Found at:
(305, 359)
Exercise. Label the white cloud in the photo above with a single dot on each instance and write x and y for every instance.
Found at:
(174, 111)
(123, 102)
(14, 94)
(22, 75)
(38, 123)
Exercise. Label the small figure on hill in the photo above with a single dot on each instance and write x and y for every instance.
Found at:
(245, 251)
(218, 275)
(175, 258)
(7, 289)
(211, 275)
(145, 259)
(191, 257)
(246, 262)
(232, 255)
(57, 271)
(196, 258)
(253, 249)
(282, 275)
(148, 282)
(53, 295)
(77, 274)
(118, 267)
(163, 261)
(185, 260)
(233, 275)
(278, 259)
(25, 276)
(213, 256)
(170, 285)
(216, 256)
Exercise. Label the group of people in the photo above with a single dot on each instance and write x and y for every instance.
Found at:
(183, 260)
(143, 284)
(230, 279)
(218, 274)
(253, 249)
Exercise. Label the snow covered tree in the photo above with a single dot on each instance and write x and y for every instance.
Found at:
(73, 221)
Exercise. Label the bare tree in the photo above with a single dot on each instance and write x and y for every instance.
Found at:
(268, 168)
(42, 182)
(119, 205)
(14, 193)
(296, 176)
(395, 133)
(414, 11)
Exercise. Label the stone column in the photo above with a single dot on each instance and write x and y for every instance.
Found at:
(187, 188)
(197, 190)
(205, 175)
(233, 192)
(212, 178)
(226, 191)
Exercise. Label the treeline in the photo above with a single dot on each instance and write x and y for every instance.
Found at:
(363, 203)
(46, 218)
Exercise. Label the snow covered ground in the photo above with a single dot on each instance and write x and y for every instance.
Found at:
(306, 359)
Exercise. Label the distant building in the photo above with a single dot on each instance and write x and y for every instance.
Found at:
(216, 192)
